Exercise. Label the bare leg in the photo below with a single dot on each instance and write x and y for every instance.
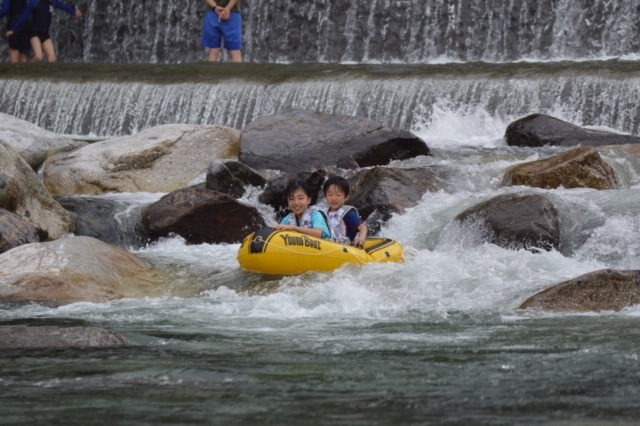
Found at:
(37, 49)
(23, 58)
(214, 55)
(236, 55)
(14, 56)
(49, 50)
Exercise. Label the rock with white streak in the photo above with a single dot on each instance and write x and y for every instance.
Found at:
(33, 143)
(159, 159)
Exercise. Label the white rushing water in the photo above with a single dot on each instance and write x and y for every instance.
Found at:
(602, 94)
(438, 338)
(447, 269)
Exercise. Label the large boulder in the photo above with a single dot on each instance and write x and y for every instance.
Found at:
(22, 193)
(14, 231)
(515, 222)
(582, 167)
(305, 140)
(200, 215)
(160, 159)
(538, 130)
(74, 269)
(33, 143)
(379, 192)
(59, 337)
(604, 290)
(110, 220)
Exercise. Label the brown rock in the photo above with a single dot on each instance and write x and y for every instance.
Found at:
(631, 149)
(200, 215)
(14, 231)
(579, 168)
(604, 290)
(74, 269)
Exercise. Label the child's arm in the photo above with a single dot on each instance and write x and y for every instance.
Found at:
(229, 7)
(362, 235)
(314, 232)
(318, 228)
(70, 10)
(5, 8)
(23, 18)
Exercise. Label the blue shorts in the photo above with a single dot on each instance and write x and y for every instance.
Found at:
(215, 30)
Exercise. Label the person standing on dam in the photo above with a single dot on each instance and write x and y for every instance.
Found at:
(19, 46)
(40, 12)
(223, 21)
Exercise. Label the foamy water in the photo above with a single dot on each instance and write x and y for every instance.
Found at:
(437, 337)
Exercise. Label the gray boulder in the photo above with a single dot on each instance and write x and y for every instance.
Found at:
(112, 221)
(538, 130)
(230, 177)
(604, 290)
(305, 140)
(160, 159)
(14, 231)
(379, 192)
(33, 143)
(22, 193)
(515, 222)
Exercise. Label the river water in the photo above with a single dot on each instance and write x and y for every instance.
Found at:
(436, 340)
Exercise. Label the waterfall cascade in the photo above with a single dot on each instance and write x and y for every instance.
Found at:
(594, 94)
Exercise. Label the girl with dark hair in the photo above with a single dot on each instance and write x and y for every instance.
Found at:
(304, 218)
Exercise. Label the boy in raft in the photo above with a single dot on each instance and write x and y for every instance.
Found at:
(344, 221)
(306, 219)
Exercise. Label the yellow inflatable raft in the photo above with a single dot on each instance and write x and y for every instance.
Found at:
(287, 253)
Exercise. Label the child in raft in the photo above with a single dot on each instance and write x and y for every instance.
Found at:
(344, 220)
(304, 217)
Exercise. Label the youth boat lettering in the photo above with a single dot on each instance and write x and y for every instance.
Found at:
(292, 240)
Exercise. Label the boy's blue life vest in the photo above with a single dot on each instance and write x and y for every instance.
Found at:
(336, 223)
(306, 218)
